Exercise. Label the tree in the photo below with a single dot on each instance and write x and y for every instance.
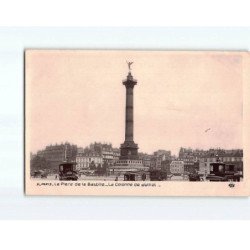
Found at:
(92, 166)
(39, 163)
(99, 170)
(105, 167)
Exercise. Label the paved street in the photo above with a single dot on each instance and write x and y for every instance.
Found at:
(106, 178)
(101, 178)
(178, 178)
(84, 177)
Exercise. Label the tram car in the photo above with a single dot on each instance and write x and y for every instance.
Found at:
(67, 171)
(136, 176)
(220, 171)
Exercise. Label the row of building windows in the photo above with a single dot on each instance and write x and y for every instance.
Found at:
(130, 161)
(99, 157)
(88, 159)
(226, 159)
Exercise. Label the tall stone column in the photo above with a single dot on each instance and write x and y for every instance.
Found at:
(129, 150)
(129, 124)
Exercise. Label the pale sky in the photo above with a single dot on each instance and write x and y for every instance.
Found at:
(78, 96)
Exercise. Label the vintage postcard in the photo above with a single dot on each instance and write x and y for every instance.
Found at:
(139, 123)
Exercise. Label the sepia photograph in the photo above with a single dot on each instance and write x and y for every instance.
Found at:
(124, 124)
(133, 120)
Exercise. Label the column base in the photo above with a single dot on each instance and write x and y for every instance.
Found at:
(129, 150)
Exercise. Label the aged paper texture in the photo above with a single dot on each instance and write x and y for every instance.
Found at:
(141, 123)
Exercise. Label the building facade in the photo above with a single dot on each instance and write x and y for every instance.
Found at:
(232, 157)
(107, 154)
(165, 166)
(116, 155)
(86, 161)
(177, 167)
(146, 160)
(191, 166)
(55, 154)
(160, 158)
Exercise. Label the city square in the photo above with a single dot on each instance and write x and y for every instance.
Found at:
(102, 162)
